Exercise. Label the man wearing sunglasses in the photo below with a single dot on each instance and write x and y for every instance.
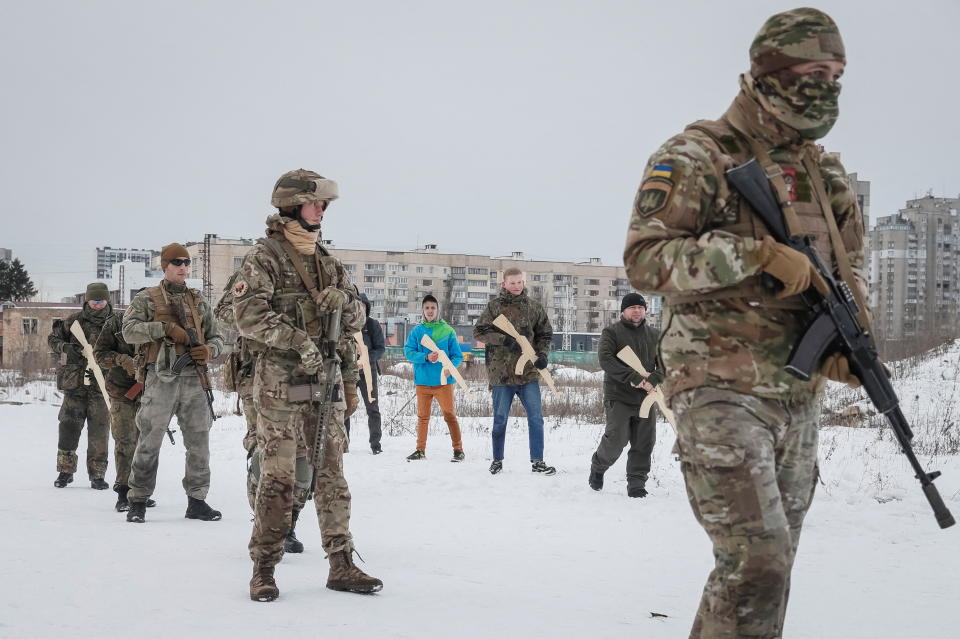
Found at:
(170, 387)
(82, 402)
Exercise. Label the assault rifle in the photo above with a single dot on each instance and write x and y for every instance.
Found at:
(835, 327)
(323, 395)
(203, 373)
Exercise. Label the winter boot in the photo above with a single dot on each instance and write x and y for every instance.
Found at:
(637, 491)
(137, 512)
(345, 576)
(458, 456)
(199, 509)
(376, 449)
(290, 542)
(63, 479)
(496, 466)
(99, 484)
(595, 480)
(123, 504)
(538, 466)
(415, 455)
(262, 585)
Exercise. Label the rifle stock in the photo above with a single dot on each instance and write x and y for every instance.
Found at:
(835, 328)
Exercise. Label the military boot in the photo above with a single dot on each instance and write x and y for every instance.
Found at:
(595, 480)
(290, 542)
(99, 484)
(199, 509)
(137, 512)
(123, 504)
(345, 576)
(262, 585)
(63, 479)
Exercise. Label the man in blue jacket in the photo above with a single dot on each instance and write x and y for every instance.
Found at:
(426, 376)
(373, 339)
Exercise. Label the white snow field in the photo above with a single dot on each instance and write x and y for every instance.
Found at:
(463, 553)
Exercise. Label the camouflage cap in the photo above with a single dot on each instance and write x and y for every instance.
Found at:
(302, 186)
(794, 37)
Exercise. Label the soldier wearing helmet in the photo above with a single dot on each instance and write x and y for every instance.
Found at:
(746, 429)
(286, 288)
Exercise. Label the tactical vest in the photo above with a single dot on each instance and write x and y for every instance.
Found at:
(734, 215)
(163, 312)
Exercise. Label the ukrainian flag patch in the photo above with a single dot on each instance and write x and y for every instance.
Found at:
(662, 170)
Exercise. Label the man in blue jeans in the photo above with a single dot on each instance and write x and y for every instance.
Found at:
(502, 352)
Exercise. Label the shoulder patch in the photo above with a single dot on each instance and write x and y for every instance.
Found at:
(240, 288)
(655, 191)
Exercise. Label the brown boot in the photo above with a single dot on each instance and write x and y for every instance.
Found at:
(345, 576)
(262, 585)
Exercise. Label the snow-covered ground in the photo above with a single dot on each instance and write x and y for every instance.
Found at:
(461, 553)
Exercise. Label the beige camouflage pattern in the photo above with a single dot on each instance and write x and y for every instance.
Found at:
(793, 37)
(123, 427)
(276, 314)
(750, 469)
(302, 186)
(698, 241)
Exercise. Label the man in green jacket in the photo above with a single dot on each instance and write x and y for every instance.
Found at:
(624, 390)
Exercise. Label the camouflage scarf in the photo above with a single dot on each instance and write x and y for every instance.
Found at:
(97, 318)
(803, 102)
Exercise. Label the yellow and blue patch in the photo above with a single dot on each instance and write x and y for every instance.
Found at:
(662, 170)
(655, 191)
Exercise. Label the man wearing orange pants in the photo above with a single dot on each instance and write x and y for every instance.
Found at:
(426, 375)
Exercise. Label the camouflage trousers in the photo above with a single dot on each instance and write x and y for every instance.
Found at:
(280, 433)
(123, 426)
(160, 401)
(301, 469)
(77, 408)
(750, 466)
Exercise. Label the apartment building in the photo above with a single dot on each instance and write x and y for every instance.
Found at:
(107, 257)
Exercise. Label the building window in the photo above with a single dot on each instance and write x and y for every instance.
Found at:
(593, 282)
(30, 325)
(476, 271)
(237, 263)
(458, 270)
(350, 267)
(374, 267)
(373, 279)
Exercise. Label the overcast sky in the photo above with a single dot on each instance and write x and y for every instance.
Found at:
(483, 127)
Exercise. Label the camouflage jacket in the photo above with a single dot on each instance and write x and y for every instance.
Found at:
(70, 374)
(141, 327)
(275, 312)
(692, 240)
(529, 318)
(109, 345)
(642, 339)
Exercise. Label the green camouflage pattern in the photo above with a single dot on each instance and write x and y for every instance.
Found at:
(81, 407)
(528, 317)
(750, 467)
(62, 342)
(275, 312)
(123, 427)
(794, 37)
(108, 347)
(683, 248)
(287, 194)
(805, 102)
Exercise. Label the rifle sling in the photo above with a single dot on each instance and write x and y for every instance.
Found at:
(294, 257)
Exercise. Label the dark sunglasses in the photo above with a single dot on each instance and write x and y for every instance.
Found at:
(179, 261)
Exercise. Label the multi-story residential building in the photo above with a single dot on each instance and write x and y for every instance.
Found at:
(214, 260)
(107, 257)
(862, 189)
(914, 269)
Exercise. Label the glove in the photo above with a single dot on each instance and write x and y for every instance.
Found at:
(837, 368)
(177, 334)
(790, 267)
(541, 361)
(655, 379)
(636, 378)
(310, 357)
(512, 344)
(126, 363)
(330, 299)
(90, 377)
(72, 349)
(352, 397)
(200, 354)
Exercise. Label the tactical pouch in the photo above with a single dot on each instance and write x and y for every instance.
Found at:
(231, 372)
(69, 378)
(310, 393)
(309, 319)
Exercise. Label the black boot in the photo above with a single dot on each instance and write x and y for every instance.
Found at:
(123, 504)
(137, 512)
(199, 509)
(290, 542)
(63, 479)
(99, 484)
(595, 480)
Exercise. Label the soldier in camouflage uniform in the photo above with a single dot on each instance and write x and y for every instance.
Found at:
(115, 357)
(747, 430)
(502, 352)
(151, 322)
(82, 402)
(280, 306)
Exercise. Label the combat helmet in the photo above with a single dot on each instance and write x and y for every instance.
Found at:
(302, 186)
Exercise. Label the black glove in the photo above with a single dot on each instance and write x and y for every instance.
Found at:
(541, 361)
(512, 344)
(636, 379)
(72, 349)
(656, 377)
(90, 377)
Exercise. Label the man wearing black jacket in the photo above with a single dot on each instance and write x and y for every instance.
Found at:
(623, 391)
(373, 338)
